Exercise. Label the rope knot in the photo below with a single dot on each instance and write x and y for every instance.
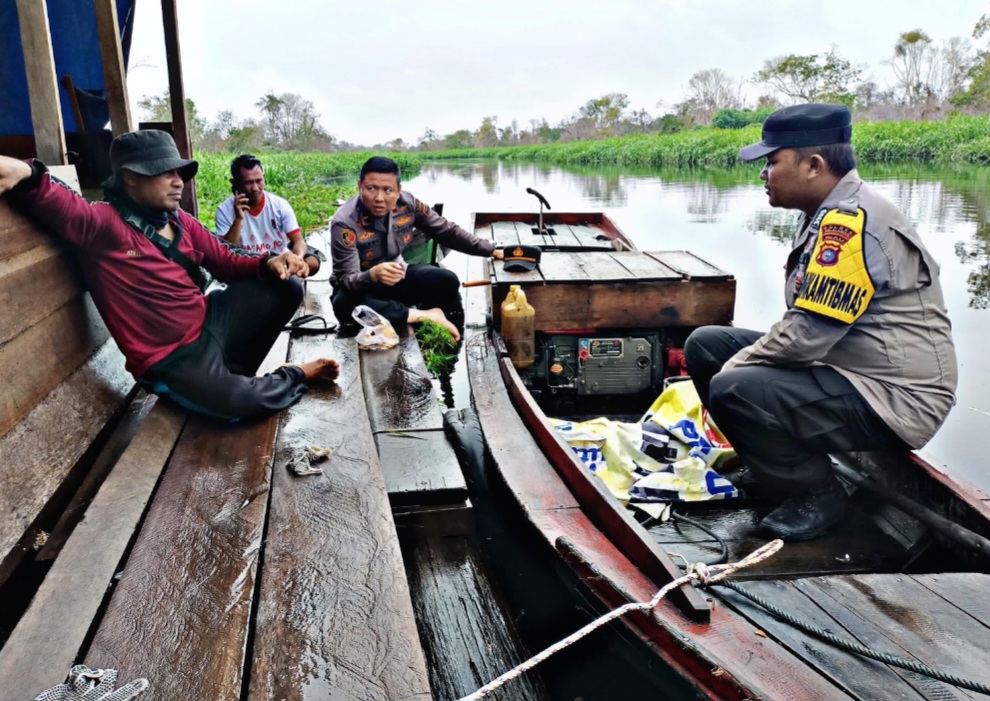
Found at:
(700, 571)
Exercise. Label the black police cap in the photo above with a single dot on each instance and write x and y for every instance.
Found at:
(801, 125)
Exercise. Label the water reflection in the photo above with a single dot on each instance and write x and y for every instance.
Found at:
(723, 216)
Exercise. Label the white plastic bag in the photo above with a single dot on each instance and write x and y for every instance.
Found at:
(376, 332)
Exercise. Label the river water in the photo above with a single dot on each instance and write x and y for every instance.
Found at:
(723, 216)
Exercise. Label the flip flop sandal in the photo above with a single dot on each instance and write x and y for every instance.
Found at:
(309, 324)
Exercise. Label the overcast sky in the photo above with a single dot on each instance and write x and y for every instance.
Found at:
(382, 70)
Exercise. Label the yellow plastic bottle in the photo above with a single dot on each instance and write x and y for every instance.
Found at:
(518, 316)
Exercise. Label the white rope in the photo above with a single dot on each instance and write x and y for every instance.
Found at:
(705, 574)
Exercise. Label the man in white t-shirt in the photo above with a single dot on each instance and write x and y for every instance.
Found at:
(260, 221)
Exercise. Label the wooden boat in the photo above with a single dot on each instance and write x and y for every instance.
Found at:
(903, 574)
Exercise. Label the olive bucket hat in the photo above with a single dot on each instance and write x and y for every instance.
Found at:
(147, 152)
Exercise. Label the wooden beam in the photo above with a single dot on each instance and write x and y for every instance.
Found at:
(39, 64)
(114, 73)
(177, 96)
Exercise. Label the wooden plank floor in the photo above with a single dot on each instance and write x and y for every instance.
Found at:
(857, 544)
(942, 620)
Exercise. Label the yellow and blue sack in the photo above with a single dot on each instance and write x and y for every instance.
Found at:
(668, 455)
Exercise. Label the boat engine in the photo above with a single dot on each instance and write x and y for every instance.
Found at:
(599, 365)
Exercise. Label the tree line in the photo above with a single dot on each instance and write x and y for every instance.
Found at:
(930, 80)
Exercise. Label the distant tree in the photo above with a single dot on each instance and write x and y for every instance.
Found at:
(396, 145)
(737, 119)
(548, 134)
(672, 123)
(429, 140)
(813, 78)
(487, 134)
(712, 90)
(641, 120)
(978, 92)
(459, 139)
(291, 122)
(158, 108)
(912, 66)
(605, 112)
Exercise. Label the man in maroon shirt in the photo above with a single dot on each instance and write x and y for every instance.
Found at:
(141, 255)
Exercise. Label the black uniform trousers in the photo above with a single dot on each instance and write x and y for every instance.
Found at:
(214, 375)
(424, 286)
(782, 421)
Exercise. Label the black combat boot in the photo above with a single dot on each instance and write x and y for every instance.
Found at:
(809, 515)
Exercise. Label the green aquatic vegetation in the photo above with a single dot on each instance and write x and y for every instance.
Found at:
(958, 139)
(311, 182)
(438, 347)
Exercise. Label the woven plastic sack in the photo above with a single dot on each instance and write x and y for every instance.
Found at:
(376, 332)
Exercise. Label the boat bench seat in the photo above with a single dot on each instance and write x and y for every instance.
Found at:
(178, 548)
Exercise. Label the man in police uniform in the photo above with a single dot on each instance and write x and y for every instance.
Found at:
(367, 237)
(863, 357)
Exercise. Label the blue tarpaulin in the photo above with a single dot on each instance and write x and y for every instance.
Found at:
(76, 48)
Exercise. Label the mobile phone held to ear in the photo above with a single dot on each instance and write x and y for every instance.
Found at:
(234, 189)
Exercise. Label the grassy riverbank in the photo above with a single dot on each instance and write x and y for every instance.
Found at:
(312, 182)
(955, 140)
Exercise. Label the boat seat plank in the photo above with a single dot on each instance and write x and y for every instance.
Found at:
(420, 468)
(857, 544)
(398, 387)
(865, 679)
(472, 640)
(334, 615)
(179, 616)
(690, 265)
(642, 267)
(37, 652)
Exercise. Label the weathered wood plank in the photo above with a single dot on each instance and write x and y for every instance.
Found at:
(643, 267)
(39, 65)
(114, 72)
(929, 629)
(420, 468)
(18, 232)
(39, 652)
(40, 450)
(33, 285)
(504, 233)
(564, 267)
(602, 267)
(471, 641)
(38, 360)
(398, 387)
(964, 590)
(689, 265)
(334, 616)
(866, 679)
(188, 608)
(855, 545)
(502, 276)
(589, 236)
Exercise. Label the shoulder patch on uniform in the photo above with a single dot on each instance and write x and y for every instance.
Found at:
(347, 236)
(838, 284)
(421, 207)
